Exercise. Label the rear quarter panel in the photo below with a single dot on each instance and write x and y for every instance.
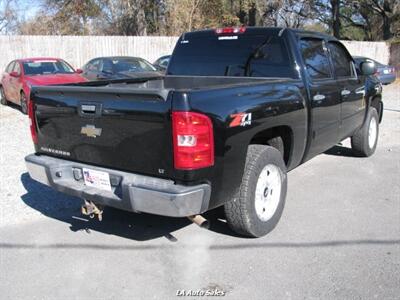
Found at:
(270, 105)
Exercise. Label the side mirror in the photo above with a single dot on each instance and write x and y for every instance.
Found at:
(14, 74)
(368, 68)
(79, 71)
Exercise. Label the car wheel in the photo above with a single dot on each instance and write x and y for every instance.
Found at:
(365, 140)
(3, 99)
(24, 103)
(259, 203)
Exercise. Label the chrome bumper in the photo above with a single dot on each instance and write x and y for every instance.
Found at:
(131, 192)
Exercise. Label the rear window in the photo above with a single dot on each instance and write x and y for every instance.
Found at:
(46, 67)
(242, 55)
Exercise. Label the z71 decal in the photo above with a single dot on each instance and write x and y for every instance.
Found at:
(241, 119)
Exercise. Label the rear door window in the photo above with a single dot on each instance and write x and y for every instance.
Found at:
(341, 60)
(93, 66)
(107, 66)
(315, 58)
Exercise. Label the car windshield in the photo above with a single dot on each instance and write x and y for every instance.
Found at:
(47, 67)
(131, 65)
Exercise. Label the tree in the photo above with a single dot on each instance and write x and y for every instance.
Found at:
(284, 13)
(328, 12)
(63, 17)
(295, 13)
(184, 15)
(346, 19)
(72, 16)
(8, 16)
(374, 19)
(388, 10)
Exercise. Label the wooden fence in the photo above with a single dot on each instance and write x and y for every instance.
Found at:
(77, 50)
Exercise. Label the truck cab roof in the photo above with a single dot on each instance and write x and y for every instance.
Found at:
(264, 30)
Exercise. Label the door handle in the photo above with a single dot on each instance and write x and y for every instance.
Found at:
(345, 92)
(91, 110)
(318, 97)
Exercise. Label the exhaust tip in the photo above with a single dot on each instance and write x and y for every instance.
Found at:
(205, 225)
(200, 221)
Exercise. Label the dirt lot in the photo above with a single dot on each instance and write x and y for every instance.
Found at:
(339, 236)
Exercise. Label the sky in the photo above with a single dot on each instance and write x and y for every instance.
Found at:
(28, 8)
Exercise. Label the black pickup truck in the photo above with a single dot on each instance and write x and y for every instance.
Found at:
(236, 110)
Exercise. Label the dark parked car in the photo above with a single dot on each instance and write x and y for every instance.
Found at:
(373, 86)
(238, 108)
(162, 62)
(118, 67)
(385, 73)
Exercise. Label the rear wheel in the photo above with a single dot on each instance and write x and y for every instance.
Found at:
(24, 103)
(364, 141)
(3, 99)
(258, 206)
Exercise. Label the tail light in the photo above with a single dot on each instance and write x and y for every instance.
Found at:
(230, 30)
(32, 121)
(193, 140)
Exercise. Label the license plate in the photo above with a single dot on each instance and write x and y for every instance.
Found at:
(97, 179)
(386, 71)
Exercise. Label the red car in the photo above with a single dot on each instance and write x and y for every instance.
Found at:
(22, 74)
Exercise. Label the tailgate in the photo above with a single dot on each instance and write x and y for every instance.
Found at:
(119, 128)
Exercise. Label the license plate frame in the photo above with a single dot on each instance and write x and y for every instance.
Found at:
(97, 179)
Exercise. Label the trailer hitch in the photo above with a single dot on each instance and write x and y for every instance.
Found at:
(90, 209)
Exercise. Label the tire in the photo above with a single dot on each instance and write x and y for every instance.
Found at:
(252, 214)
(365, 140)
(24, 104)
(277, 143)
(3, 99)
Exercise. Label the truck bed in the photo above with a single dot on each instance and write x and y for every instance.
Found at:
(163, 85)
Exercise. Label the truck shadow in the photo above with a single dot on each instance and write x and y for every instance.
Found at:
(339, 150)
(139, 227)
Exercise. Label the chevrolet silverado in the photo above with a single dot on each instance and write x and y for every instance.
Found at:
(236, 110)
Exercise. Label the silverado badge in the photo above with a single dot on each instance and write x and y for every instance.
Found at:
(91, 131)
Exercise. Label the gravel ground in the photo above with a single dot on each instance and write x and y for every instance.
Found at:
(16, 143)
(339, 236)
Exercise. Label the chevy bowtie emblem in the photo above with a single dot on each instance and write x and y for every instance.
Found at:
(91, 131)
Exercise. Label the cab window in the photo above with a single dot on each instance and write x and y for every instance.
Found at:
(315, 58)
(342, 63)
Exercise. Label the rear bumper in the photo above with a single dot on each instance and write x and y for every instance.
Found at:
(131, 192)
